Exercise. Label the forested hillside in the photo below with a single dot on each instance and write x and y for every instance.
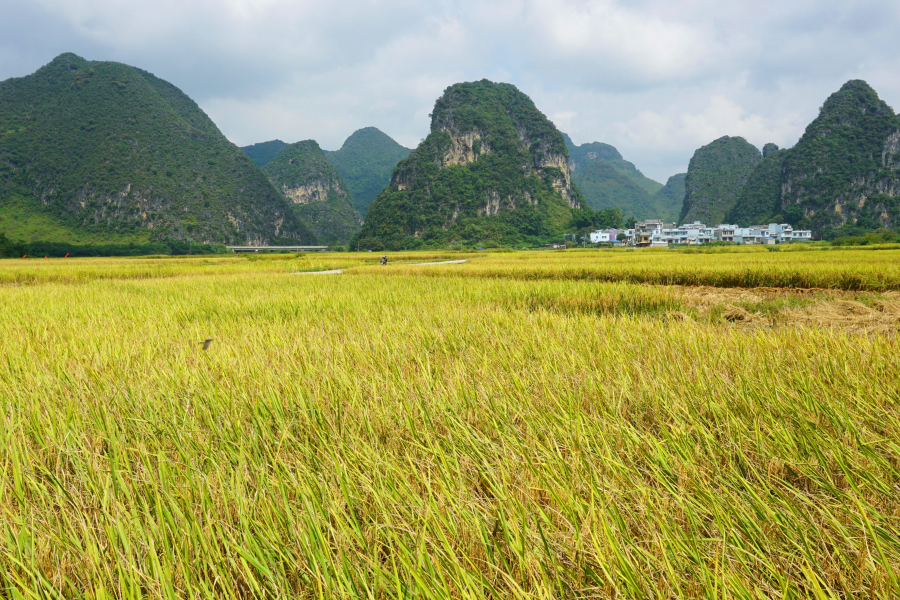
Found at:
(844, 170)
(715, 177)
(606, 180)
(264, 152)
(110, 152)
(671, 197)
(365, 163)
(759, 199)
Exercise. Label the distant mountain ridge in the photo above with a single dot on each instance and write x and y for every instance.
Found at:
(671, 196)
(606, 180)
(101, 151)
(264, 152)
(366, 161)
(492, 167)
(317, 192)
(106, 150)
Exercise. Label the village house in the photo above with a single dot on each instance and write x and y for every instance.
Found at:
(658, 233)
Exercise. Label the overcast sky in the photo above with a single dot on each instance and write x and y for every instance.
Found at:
(655, 78)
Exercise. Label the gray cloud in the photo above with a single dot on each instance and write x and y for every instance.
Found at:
(655, 78)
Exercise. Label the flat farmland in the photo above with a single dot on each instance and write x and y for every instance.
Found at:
(577, 424)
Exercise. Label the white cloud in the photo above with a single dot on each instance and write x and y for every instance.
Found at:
(563, 120)
(656, 78)
(721, 116)
(604, 38)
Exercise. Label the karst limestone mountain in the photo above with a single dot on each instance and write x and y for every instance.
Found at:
(106, 151)
(264, 152)
(315, 190)
(493, 166)
(716, 174)
(844, 171)
(365, 161)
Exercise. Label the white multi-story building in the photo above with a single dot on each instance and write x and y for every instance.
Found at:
(600, 236)
(749, 235)
(649, 231)
(784, 233)
(724, 233)
(692, 233)
(604, 236)
(658, 233)
(773, 233)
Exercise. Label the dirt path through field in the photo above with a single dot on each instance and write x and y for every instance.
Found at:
(339, 271)
(331, 272)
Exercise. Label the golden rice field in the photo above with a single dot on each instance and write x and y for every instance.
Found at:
(572, 424)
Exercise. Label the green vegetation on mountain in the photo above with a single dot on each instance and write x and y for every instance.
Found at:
(23, 218)
(10, 248)
(263, 152)
(670, 198)
(590, 151)
(101, 151)
(715, 177)
(365, 163)
(759, 200)
(493, 169)
(608, 181)
(316, 191)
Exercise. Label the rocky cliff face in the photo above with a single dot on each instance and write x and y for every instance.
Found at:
(490, 154)
(318, 191)
(315, 190)
(555, 168)
(716, 175)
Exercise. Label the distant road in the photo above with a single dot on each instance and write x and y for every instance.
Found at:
(331, 272)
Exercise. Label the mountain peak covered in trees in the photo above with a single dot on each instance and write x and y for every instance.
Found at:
(492, 168)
